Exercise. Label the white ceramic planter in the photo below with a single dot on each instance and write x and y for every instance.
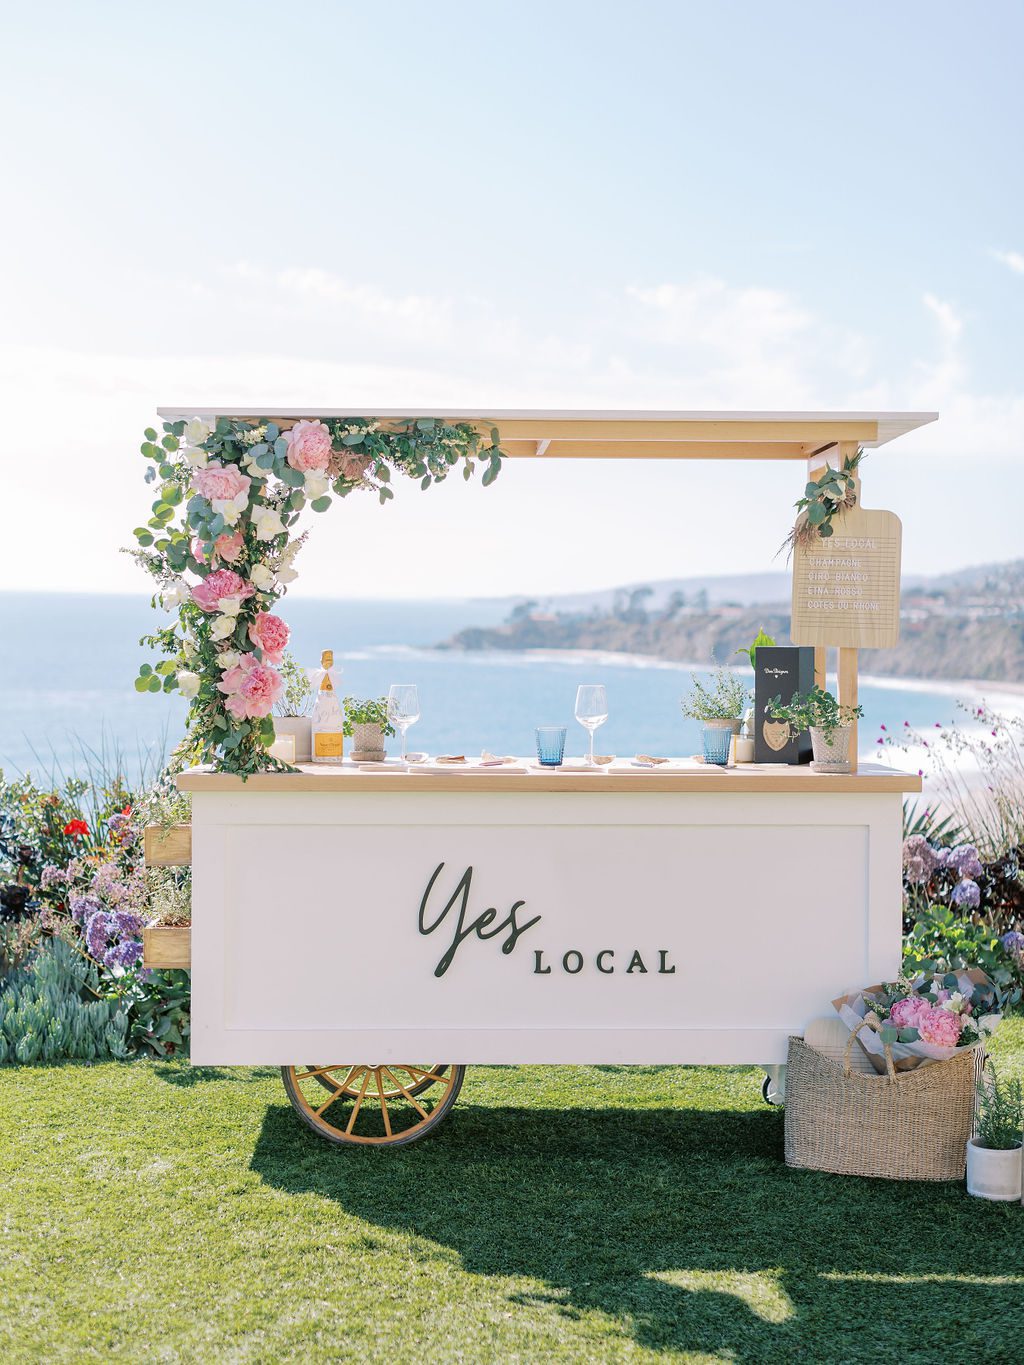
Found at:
(992, 1173)
(834, 756)
(299, 728)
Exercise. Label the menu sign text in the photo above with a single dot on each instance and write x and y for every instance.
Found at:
(846, 588)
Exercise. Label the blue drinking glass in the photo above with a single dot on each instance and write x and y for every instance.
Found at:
(550, 745)
(716, 745)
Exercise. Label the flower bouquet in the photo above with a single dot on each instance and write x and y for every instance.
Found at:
(923, 1018)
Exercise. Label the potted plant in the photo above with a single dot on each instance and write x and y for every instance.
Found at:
(292, 713)
(829, 724)
(994, 1153)
(366, 723)
(720, 704)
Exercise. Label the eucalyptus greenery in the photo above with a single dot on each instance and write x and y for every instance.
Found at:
(181, 534)
(1000, 1112)
(834, 491)
(814, 710)
(725, 698)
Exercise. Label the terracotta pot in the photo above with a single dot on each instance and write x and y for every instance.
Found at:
(993, 1173)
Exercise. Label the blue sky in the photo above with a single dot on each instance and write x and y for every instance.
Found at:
(561, 204)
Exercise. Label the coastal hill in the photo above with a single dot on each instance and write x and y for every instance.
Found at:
(967, 624)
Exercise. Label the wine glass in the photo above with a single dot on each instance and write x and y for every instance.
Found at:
(403, 708)
(591, 711)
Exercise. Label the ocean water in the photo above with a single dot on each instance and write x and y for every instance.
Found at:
(69, 662)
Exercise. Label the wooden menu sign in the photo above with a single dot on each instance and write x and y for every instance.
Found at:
(846, 588)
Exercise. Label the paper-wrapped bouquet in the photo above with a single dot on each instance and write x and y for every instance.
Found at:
(923, 1018)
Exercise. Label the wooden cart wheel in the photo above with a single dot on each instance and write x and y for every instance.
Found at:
(338, 1078)
(377, 1106)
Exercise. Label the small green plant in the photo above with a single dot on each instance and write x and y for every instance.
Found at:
(762, 638)
(725, 698)
(298, 697)
(367, 711)
(53, 1008)
(1000, 1115)
(943, 941)
(814, 710)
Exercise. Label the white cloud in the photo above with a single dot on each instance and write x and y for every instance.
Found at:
(1013, 260)
(946, 316)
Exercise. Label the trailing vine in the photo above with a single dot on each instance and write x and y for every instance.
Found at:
(221, 543)
(834, 491)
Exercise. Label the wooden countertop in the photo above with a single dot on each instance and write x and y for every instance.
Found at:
(680, 775)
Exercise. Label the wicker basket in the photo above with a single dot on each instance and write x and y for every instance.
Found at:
(908, 1125)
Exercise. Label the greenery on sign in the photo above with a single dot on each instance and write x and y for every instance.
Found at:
(834, 491)
(814, 710)
(762, 638)
(221, 542)
(726, 697)
(1000, 1111)
(369, 711)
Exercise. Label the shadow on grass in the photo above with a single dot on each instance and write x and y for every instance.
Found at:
(685, 1227)
(184, 1075)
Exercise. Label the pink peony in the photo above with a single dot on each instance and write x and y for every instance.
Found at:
(220, 483)
(229, 545)
(907, 1013)
(220, 583)
(269, 633)
(309, 446)
(940, 1027)
(251, 688)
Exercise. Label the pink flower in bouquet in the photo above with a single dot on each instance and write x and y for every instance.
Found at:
(220, 483)
(940, 1028)
(220, 583)
(269, 633)
(251, 688)
(907, 1013)
(309, 446)
(229, 545)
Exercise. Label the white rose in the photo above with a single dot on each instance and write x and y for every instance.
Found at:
(173, 597)
(197, 431)
(222, 627)
(231, 508)
(228, 659)
(188, 683)
(316, 484)
(261, 577)
(195, 457)
(230, 605)
(268, 524)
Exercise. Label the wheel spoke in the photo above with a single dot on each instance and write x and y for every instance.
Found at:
(358, 1103)
(383, 1105)
(411, 1098)
(329, 1101)
(418, 1071)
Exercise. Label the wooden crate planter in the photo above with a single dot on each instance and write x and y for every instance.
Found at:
(168, 945)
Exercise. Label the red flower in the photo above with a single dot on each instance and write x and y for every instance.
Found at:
(76, 828)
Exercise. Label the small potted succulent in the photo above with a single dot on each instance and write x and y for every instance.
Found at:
(828, 721)
(720, 704)
(994, 1159)
(292, 713)
(367, 724)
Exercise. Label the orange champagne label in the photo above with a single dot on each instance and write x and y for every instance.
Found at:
(328, 744)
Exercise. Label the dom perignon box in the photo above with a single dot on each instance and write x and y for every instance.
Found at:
(780, 671)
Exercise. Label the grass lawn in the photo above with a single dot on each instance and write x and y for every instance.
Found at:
(152, 1212)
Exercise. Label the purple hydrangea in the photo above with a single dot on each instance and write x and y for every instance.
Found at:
(123, 954)
(964, 861)
(919, 860)
(966, 894)
(127, 923)
(1013, 942)
(97, 934)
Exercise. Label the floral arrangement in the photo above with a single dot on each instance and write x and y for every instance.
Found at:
(924, 1018)
(950, 874)
(221, 543)
(834, 491)
(814, 710)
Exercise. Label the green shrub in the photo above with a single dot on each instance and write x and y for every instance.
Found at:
(51, 1010)
(942, 941)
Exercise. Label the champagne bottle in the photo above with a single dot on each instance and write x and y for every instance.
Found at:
(327, 726)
